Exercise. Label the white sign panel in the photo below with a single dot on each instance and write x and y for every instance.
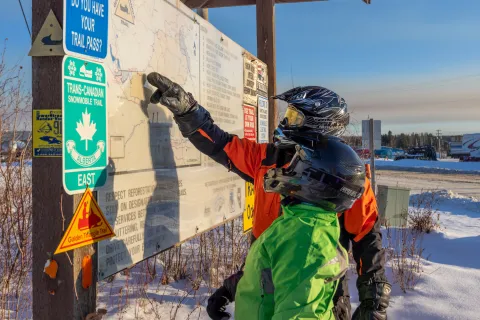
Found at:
(160, 189)
(250, 79)
(262, 119)
(262, 80)
(377, 134)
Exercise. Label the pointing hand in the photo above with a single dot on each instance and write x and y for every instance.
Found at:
(171, 95)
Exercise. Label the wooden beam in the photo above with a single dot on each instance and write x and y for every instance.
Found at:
(195, 4)
(297, 1)
(266, 53)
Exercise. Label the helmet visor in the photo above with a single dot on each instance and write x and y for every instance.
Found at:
(294, 117)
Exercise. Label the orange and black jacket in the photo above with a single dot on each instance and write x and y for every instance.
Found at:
(251, 160)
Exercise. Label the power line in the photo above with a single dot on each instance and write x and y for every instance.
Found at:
(25, 18)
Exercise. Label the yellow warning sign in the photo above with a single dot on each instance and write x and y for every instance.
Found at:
(47, 133)
(249, 204)
(49, 40)
(87, 226)
(124, 10)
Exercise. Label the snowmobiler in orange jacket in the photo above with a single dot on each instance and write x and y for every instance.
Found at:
(312, 111)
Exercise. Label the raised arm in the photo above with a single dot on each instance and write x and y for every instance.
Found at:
(361, 222)
(241, 156)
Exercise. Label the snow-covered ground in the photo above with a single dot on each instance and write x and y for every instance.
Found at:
(462, 184)
(448, 287)
(442, 166)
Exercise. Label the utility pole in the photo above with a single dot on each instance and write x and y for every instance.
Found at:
(439, 143)
(62, 297)
(372, 154)
(267, 53)
(203, 12)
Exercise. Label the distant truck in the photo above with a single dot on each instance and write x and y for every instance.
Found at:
(419, 153)
(471, 144)
(468, 149)
(456, 150)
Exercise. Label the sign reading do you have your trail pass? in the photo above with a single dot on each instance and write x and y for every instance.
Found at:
(86, 27)
(84, 122)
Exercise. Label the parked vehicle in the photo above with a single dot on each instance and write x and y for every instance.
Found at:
(420, 153)
(471, 147)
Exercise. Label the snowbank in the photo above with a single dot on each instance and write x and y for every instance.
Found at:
(445, 289)
(429, 166)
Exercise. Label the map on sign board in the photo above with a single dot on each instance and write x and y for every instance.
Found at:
(160, 189)
(47, 133)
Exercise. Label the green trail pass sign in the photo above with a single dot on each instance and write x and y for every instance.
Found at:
(84, 125)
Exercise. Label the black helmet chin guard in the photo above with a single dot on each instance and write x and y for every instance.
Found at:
(329, 175)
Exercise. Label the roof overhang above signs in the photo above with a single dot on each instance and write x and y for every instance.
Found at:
(196, 4)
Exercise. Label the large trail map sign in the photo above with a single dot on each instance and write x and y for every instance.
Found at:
(160, 190)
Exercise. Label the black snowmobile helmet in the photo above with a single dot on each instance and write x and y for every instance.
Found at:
(329, 175)
(313, 111)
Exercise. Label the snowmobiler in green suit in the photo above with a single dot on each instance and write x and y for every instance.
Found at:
(292, 269)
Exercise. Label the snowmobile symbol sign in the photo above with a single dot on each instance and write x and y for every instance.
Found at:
(84, 123)
(88, 225)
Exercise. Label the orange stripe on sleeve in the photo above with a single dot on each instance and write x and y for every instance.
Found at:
(203, 133)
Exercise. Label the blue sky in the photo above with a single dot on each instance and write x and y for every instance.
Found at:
(413, 64)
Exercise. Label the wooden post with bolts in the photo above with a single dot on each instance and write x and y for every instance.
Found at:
(266, 53)
(62, 297)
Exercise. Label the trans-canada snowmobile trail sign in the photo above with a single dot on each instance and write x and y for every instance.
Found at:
(84, 108)
(88, 225)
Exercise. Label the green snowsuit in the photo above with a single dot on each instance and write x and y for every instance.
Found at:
(292, 269)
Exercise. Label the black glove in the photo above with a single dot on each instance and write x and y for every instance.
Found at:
(222, 297)
(171, 95)
(342, 310)
(374, 294)
(217, 303)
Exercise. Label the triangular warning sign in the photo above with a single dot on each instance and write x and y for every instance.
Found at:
(125, 11)
(49, 39)
(87, 226)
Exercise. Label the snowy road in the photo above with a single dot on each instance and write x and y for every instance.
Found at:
(463, 184)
